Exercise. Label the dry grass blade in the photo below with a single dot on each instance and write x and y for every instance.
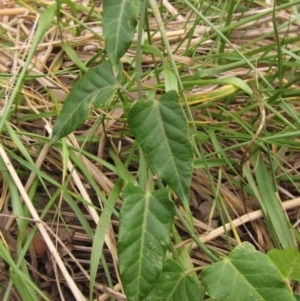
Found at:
(66, 188)
(40, 225)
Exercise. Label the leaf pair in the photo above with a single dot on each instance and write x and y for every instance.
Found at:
(160, 128)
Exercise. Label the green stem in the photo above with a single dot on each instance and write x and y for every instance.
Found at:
(161, 27)
(195, 238)
(139, 52)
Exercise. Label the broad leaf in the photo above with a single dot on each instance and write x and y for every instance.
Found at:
(175, 285)
(96, 88)
(145, 223)
(161, 129)
(246, 274)
(119, 22)
(287, 261)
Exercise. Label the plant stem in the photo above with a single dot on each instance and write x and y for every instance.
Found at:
(195, 238)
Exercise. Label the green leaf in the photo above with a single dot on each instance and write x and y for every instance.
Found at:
(119, 22)
(287, 261)
(175, 285)
(161, 129)
(144, 236)
(96, 88)
(246, 274)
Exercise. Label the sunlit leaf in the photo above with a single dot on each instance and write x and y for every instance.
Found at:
(287, 261)
(245, 275)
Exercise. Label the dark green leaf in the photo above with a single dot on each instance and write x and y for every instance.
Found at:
(145, 223)
(96, 88)
(175, 285)
(246, 275)
(161, 129)
(119, 22)
(287, 261)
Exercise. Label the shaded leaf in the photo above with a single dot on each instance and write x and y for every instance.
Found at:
(175, 285)
(246, 274)
(145, 223)
(161, 129)
(96, 88)
(119, 22)
(287, 261)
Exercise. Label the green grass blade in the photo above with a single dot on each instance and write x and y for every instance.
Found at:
(74, 57)
(169, 76)
(271, 206)
(101, 230)
(21, 280)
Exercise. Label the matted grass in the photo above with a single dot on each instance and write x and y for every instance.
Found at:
(246, 148)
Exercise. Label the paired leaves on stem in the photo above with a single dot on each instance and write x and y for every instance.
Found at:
(160, 127)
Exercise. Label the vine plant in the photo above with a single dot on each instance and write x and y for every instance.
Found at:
(150, 268)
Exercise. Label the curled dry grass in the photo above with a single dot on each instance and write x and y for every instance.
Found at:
(225, 121)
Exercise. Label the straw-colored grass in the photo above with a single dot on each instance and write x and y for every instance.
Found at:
(51, 195)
